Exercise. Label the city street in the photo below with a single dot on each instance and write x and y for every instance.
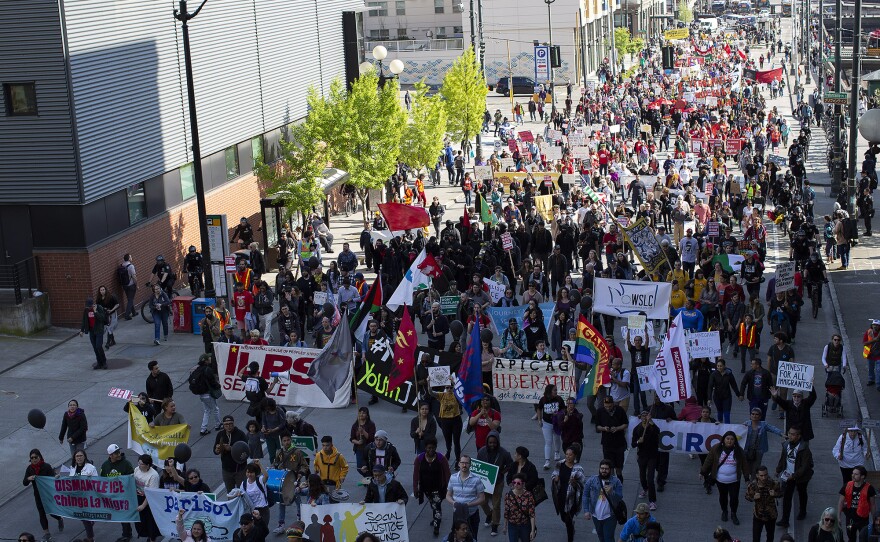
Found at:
(47, 370)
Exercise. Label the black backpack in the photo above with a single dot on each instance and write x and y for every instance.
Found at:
(122, 275)
(198, 381)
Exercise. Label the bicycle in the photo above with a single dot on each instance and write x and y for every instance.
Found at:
(145, 311)
(196, 284)
(813, 288)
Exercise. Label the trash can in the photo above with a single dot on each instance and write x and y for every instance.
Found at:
(198, 312)
(181, 314)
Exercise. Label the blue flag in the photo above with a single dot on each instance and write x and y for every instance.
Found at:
(469, 385)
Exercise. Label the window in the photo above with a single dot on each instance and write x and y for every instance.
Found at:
(187, 182)
(137, 203)
(457, 30)
(440, 33)
(457, 6)
(378, 9)
(256, 151)
(438, 6)
(401, 7)
(20, 98)
(231, 155)
(401, 33)
(380, 34)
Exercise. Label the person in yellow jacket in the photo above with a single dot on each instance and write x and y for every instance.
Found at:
(330, 464)
(677, 274)
(697, 286)
(678, 296)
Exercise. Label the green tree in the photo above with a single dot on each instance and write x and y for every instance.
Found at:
(685, 14)
(622, 42)
(635, 46)
(422, 139)
(464, 96)
(295, 177)
(362, 129)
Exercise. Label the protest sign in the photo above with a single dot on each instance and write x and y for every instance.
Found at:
(735, 187)
(438, 377)
(644, 382)
(496, 289)
(487, 472)
(636, 321)
(671, 377)
(713, 229)
(796, 376)
(696, 145)
(93, 498)
(643, 241)
(704, 344)
(305, 443)
(785, 276)
(483, 173)
(625, 297)
(507, 162)
(220, 517)
(633, 333)
(570, 345)
(158, 442)
(581, 153)
(690, 437)
(506, 241)
(524, 380)
(120, 393)
(319, 298)
(295, 388)
(449, 304)
(733, 146)
(569, 178)
(553, 153)
(342, 522)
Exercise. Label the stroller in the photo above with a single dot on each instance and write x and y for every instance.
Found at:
(834, 385)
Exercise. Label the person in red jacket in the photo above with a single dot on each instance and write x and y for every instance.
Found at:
(856, 503)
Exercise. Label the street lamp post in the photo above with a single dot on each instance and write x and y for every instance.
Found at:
(855, 86)
(550, 37)
(380, 53)
(184, 17)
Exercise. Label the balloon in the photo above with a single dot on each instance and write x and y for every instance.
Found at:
(575, 296)
(314, 263)
(486, 335)
(328, 310)
(240, 452)
(586, 303)
(36, 418)
(182, 452)
(456, 328)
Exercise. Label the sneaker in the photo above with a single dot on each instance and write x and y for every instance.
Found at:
(487, 523)
(166, 338)
(652, 506)
(218, 427)
(724, 515)
(734, 519)
(47, 537)
(642, 493)
(204, 432)
(494, 531)
(546, 464)
(278, 530)
(156, 342)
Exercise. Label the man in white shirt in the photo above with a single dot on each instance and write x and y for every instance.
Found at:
(688, 249)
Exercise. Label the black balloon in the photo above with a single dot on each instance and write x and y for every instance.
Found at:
(36, 418)
(328, 310)
(314, 263)
(575, 296)
(456, 328)
(182, 452)
(240, 452)
(486, 335)
(586, 303)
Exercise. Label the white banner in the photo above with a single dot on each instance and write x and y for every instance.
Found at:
(785, 277)
(796, 376)
(220, 517)
(704, 344)
(690, 437)
(625, 297)
(671, 377)
(294, 388)
(343, 522)
(524, 380)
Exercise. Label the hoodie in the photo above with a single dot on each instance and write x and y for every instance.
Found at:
(119, 468)
(721, 384)
(331, 466)
(497, 456)
(391, 491)
(74, 426)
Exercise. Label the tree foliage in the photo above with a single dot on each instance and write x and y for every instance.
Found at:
(464, 96)
(636, 45)
(622, 41)
(362, 129)
(295, 177)
(422, 139)
(685, 13)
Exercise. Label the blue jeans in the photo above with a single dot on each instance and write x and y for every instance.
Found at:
(209, 408)
(723, 408)
(873, 370)
(519, 533)
(468, 198)
(160, 319)
(605, 528)
(843, 252)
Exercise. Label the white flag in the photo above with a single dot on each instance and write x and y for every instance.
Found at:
(496, 289)
(671, 377)
(414, 280)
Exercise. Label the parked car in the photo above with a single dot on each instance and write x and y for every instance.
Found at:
(521, 85)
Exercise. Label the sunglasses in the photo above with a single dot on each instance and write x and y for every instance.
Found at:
(194, 477)
(35, 457)
(828, 520)
(516, 483)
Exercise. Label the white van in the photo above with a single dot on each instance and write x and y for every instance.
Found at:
(709, 24)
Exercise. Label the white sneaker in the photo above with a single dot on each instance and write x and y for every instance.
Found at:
(546, 464)
(278, 530)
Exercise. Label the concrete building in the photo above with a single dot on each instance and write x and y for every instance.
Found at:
(95, 156)
(429, 34)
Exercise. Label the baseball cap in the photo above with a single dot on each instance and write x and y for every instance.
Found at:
(246, 518)
(112, 449)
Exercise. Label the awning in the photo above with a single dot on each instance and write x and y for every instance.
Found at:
(331, 178)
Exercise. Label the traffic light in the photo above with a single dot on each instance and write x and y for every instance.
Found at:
(555, 57)
(668, 57)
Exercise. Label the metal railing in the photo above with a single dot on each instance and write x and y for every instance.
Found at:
(404, 46)
(24, 275)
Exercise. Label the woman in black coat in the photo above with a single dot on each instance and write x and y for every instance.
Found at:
(38, 467)
(74, 425)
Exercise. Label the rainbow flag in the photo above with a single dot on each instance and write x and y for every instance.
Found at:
(591, 348)
(599, 375)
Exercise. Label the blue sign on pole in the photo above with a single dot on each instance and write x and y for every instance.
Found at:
(542, 64)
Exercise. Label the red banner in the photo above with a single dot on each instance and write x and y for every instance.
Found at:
(733, 146)
(768, 75)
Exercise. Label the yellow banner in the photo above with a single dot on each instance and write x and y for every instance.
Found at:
(677, 34)
(544, 206)
(155, 441)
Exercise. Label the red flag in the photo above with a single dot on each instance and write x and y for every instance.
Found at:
(727, 48)
(430, 266)
(768, 76)
(741, 54)
(404, 365)
(404, 217)
(466, 220)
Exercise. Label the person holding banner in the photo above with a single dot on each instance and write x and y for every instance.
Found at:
(146, 476)
(38, 467)
(82, 467)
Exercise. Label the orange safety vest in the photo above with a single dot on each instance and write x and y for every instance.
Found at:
(746, 337)
(246, 279)
(864, 508)
(223, 316)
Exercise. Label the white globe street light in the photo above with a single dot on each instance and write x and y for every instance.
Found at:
(397, 67)
(869, 126)
(379, 53)
(365, 67)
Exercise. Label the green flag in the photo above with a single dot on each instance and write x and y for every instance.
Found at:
(486, 214)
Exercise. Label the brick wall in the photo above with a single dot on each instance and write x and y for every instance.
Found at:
(70, 277)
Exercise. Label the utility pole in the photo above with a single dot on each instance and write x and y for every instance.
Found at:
(552, 70)
(184, 17)
(820, 75)
(613, 54)
(855, 86)
(808, 38)
(837, 163)
(478, 153)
